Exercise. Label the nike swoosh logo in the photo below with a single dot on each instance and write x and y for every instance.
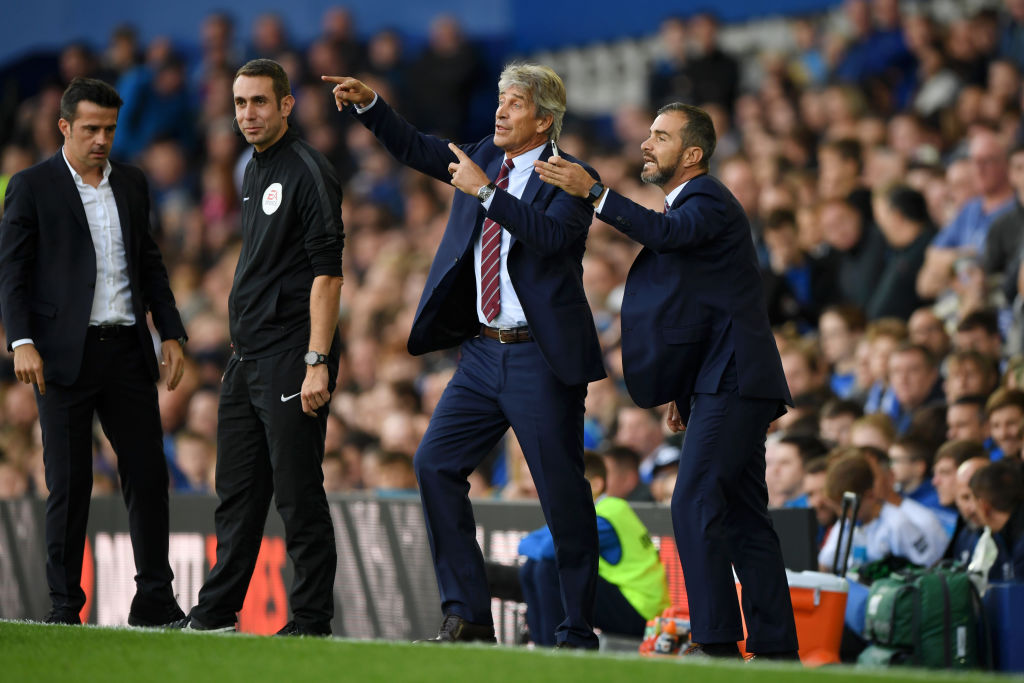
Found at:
(288, 398)
(245, 199)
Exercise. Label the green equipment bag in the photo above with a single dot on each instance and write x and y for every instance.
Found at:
(876, 656)
(933, 615)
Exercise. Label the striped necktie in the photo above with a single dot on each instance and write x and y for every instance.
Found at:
(490, 257)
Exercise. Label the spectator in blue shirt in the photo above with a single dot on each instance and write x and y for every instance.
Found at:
(965, 235)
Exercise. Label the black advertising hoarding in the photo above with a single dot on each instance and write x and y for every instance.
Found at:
(384, 587)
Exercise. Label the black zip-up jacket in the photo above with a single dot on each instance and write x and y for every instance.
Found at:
(291, 233)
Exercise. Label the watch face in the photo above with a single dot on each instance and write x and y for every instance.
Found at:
(311, 357)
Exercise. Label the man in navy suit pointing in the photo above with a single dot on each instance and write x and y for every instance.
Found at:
(506, 285)
(695, 335)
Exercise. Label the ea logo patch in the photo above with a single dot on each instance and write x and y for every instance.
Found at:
(272, 198)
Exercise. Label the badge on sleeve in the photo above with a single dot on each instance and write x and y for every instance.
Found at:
(272, 198)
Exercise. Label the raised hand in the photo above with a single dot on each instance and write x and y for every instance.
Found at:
(566, 175)
(348, 90)
(466, 174)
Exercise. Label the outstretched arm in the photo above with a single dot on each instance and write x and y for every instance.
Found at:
(425, 153)
(696, 222)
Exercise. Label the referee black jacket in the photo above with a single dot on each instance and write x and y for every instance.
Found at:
(291, 233)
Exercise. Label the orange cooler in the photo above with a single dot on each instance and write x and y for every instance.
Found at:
(819, 608)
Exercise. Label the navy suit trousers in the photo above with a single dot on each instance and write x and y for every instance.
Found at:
(720, 518)
(497, 386)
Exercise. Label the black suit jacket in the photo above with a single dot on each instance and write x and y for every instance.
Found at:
(48, 265)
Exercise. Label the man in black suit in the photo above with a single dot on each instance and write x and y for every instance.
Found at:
(78, 273)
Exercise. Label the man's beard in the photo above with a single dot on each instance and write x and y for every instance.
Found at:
(662, 174)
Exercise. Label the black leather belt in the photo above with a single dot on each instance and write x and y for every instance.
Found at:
(509, 335)
(105, 332)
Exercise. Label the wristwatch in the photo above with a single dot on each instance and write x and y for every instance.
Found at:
(313, 358)
(485, 192)
(596, 190)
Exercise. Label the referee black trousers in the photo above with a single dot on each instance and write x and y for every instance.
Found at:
(267, 447)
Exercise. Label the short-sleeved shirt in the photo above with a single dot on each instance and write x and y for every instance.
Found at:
(970, 227)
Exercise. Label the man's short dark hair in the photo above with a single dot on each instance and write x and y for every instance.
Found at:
(779, 219)
(960, 451)
(849, 473)
(87, 90)
(919, 349)
(270, 69)
(838, 407)
(976, 401)
(624, 456)
(981, 319)
(809, 447)
(1001, 484)
(698, 131)
(909, 203)
(847, 149)
(593, 466)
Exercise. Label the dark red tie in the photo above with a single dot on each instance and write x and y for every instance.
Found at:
(665, 210)
(490, 257)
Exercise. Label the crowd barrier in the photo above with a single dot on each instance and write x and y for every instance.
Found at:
(384, 587)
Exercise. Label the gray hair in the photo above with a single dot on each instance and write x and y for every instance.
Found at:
(545, 87)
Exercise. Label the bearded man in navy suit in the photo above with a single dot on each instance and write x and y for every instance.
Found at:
(506, 285)
(695, 335)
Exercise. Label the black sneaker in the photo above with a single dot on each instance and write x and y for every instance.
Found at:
(293, 629)
(189, 623)
(149, 613)
(455, 629)
(63, 616)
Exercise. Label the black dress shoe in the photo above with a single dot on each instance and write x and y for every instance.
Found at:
(718, 650)
(150, 613)
(455, 629)
(293, 629)
(566, 645)
(792, 656)
(63, 616)
(190, 624)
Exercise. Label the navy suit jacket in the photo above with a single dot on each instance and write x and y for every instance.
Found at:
(694, 299)
(48, 265)
(548, 230)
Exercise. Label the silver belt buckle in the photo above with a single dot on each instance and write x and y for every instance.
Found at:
(501, 336)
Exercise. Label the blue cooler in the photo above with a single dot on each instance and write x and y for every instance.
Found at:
(1004, 607)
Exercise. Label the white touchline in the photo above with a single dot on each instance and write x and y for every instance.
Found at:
(288, 398)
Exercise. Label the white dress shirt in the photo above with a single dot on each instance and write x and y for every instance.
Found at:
(111, 299)
(671, 197)
(511, 313)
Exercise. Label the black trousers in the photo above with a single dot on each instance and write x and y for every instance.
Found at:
(266, 446)
(720, 519)
(115, 385)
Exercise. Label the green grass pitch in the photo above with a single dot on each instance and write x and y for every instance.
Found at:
(35, 653)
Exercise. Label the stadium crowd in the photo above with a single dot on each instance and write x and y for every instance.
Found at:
(880, 160)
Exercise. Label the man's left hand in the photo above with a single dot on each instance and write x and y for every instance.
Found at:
(314, 389)
(566, 175)
(173, 358)
(466, 175)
